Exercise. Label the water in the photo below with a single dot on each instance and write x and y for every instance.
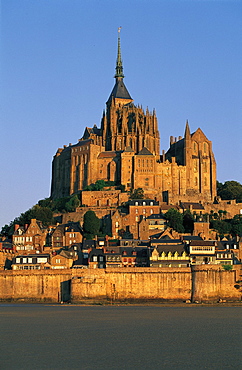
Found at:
(117, 337)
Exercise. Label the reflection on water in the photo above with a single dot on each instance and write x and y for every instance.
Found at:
(110, 337)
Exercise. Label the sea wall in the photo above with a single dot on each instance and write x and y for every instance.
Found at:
(203, 283)
(213, 283)
(35, 285)
(133, 284)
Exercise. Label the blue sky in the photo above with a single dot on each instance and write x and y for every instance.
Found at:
(182, 58)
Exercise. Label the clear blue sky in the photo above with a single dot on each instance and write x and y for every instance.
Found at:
(183, 58)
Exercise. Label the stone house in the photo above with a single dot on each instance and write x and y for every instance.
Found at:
(29, 238)
(64, 235)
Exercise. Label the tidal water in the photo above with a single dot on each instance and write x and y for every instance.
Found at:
(120, 337)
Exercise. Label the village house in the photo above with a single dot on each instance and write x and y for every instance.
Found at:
(29, 238)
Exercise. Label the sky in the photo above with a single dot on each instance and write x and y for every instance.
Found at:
(181, 58)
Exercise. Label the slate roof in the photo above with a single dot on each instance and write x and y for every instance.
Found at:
(191, 237)
(144, 151)
(156, 216)
(179, 248)
(166, 241)
(203, 243)
(86, 244)
(119, 91)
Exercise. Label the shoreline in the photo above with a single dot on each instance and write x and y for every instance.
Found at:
(124, 304)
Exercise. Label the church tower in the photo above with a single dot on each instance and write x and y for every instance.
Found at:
(125, 125)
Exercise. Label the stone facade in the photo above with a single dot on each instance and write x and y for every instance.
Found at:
(126, 150)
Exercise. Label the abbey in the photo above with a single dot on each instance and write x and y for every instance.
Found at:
(126, 150)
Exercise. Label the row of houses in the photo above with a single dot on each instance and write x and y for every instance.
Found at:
(163, 252)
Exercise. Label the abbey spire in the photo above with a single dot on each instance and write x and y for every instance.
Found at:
(119, 94)
(119, 64)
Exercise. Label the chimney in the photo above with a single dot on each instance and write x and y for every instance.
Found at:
(16, 226)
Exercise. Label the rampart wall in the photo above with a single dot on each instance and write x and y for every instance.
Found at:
(201, 283)
(35, 285)
(133, 284)
(211, 283)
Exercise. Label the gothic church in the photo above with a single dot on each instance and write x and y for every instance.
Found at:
(126, 150)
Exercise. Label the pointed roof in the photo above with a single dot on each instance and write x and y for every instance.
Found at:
(119, 64)
(187, 130)
(145, 151)
(119, 91)
(128, 149)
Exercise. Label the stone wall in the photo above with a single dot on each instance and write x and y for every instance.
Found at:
(213, 283)
(133, 284)
(35, 285)
(203, 283)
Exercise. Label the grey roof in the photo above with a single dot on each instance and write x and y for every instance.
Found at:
(166, 241)
(157, 216)
(144, 151)
(120, 91)
(179, 248)
(128, 149)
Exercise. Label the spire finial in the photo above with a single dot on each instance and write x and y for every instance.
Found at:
(187, 130)
(119, 65)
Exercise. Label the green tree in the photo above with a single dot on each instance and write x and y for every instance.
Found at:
(236, 225)
(136, 194)
(43, 214)
(72, 204)
(188, 222)
(230, 190)
(222, 227)
(91, 224)
(175, 220)
(99, 185)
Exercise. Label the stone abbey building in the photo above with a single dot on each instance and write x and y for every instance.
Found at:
(126, 149)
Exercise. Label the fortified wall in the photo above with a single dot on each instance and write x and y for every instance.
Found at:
(201, 283)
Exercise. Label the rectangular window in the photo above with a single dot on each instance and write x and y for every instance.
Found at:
(41, 259)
